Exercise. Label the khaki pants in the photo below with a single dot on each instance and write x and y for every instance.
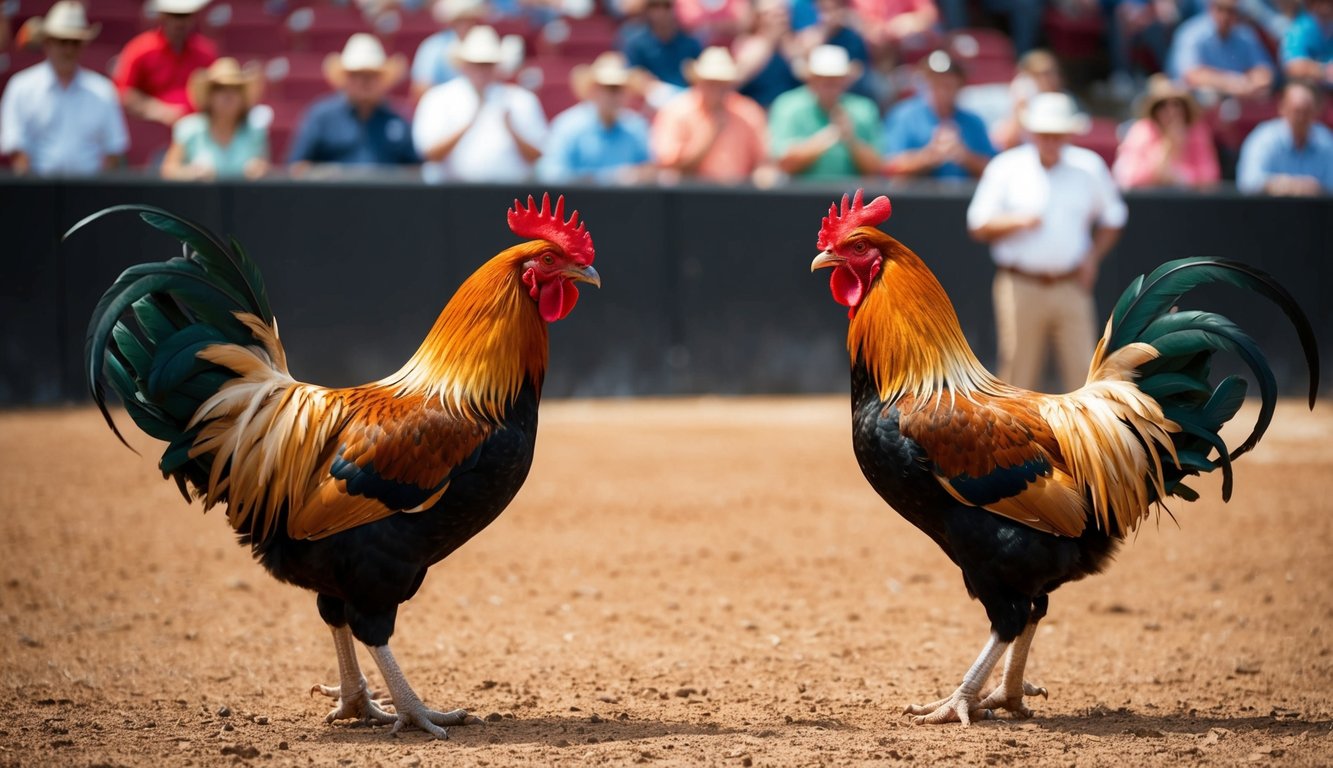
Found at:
(1031, 317)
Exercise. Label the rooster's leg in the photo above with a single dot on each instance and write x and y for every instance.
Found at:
(411, 710)
(354, 698)
(1010, 692)
(964, 704)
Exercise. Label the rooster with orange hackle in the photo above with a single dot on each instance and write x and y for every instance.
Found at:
(352, 493)
(1026, 491)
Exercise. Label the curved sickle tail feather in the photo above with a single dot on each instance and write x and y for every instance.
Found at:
(1178, 376)
(147, 332)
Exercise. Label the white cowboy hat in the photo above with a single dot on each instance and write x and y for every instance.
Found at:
(65, 21)
(178, 7)
(714, 64)
(830, 61)
(480, 46)
(1054, 113)
(609, 69)
(449, 11)
(364, 53)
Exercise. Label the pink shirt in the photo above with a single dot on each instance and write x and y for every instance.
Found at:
(1138, 155)
(683, 125)
(695, 14)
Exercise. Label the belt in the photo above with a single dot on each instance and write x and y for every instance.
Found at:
(1045, 278)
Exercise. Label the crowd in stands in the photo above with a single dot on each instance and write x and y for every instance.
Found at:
(658, 91)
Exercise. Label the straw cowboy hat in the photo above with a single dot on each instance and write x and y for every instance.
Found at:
(1161, 89)
(829, 61)
(223, 73)
(65, 21)
(178, 7)
(714, 64)
(364, 53)
(1054, 113)
(609, 69)
(449, 11)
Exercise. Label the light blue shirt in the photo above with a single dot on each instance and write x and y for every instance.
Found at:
(431, 64)
(912, 123)
(1269, 150)
(580, 146)
(1197, 44)
(249, 142)
(62, 130)
(1305, 39)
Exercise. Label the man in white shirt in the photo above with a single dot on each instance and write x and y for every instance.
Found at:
(1050, 212)
(474, 127)
(57, 118)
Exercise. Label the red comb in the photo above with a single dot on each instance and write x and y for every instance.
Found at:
(572, 237)
(838, 225)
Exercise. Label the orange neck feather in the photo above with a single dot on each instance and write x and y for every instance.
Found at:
(486, 343)
(906, 333)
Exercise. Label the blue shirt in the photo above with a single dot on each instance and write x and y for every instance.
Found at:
(1269, 151)
(1306, 40)
(581, 146)
(775, 79)
(663, 60)
(912, 123)
(331, 132)
(1197, 44)
(431, 65)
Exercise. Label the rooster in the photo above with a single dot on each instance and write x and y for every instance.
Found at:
(350, 493)
(1026, 491)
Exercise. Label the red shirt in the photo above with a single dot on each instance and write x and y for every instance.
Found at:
(149, 65)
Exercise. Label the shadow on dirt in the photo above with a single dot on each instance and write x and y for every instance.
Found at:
(1122, 721)
(553, 731)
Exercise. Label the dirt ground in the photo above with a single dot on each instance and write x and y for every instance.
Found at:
(694, 582)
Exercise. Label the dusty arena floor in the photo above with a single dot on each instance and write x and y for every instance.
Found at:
(697, 582)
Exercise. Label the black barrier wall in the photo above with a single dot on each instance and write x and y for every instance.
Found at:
(707, 290)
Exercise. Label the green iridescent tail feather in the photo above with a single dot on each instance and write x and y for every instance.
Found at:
(1179, 379)
(147, 329)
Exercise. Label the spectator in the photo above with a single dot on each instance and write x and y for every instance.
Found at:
(714, 22)
(1307, 48)
(599, 138)
(153, 71)
(710, 131)
(660, 47)
(1147, 24)
(821, 131)
(219, 141)
(432, 64)
(1217, 55)
(57, 117)
(1168, 146)
(1038, 72)
(891, 26)
(1291, 154)
(929, 135)
(356, 125)
(1051, 213)
(474, 127)
(764, 57)
(835, 23)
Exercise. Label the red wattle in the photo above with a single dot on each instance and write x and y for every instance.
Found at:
(846, 286)
(556, 299)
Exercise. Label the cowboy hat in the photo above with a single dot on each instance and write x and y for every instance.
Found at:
(226, 72)
(1054, 113)
(65, 21)
(364, 53)
(178, 7)
(449, 11)
(714, 64)
(1161, 89)
(828, 61)
(609, 69)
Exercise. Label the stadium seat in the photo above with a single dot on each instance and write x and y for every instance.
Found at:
(1103, 138)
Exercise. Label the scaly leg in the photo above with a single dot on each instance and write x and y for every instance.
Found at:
(963, 704)
(410, 709)
(1010, 692)
(353, 695)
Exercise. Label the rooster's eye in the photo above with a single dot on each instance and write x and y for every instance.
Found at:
(860, 246)
(548, 259)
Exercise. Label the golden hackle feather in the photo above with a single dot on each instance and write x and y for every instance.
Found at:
(272, 438)
(907, 336)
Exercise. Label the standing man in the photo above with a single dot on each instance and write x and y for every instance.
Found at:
(1050, 212)
(153, 71)
(57, 117)
(820, 130)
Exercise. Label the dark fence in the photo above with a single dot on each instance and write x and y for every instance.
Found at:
(707, 290)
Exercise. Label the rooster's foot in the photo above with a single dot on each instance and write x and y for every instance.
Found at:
(431, 721)
(359, 705)
(959, 707)
(1012, 700)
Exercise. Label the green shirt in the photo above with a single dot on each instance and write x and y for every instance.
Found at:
(249, 141)
(796, 116)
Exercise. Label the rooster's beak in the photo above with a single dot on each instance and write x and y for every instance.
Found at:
(825, 260)
(585, 274)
